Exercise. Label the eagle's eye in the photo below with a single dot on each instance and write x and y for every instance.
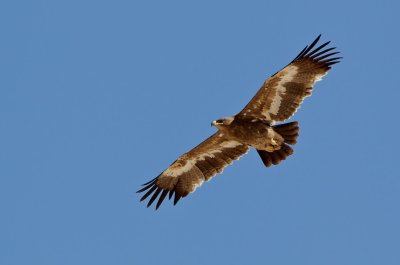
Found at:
(220, 121)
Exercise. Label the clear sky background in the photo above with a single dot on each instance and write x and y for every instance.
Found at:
(98, 97)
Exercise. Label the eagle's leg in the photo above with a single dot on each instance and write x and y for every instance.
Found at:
(273, 146)
(274, 141)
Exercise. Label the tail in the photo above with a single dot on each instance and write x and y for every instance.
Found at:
(289, 132)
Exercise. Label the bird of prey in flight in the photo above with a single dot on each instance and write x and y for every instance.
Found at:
(255, 126)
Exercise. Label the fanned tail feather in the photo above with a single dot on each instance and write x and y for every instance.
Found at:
(289, 131)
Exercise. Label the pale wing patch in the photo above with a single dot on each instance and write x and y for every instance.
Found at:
(319, 77)
(230, 144)
(286, 75)
(177, 169)
(210, 154)
(225, 144)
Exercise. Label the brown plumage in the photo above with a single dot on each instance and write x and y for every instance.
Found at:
(277, 100)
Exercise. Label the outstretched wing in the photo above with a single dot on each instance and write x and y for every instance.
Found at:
(193, 168)
(281, 94)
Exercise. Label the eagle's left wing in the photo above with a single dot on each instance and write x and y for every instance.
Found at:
(281, 94)
(193, 168)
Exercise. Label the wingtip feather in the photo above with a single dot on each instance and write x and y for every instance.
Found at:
(161, 199)
(315, 53)
(155, 195)
(176, 198)
(148, 193)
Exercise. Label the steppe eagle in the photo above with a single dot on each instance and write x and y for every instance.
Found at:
(277, 100)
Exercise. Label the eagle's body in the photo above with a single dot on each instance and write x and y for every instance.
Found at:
(251, 131)
(276, 101)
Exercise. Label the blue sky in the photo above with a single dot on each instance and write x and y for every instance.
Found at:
(98, 97)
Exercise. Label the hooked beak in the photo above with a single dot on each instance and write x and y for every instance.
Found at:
(213, 123)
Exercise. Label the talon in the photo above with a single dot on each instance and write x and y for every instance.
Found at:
(270, 149)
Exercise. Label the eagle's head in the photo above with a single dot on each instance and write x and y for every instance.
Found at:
(222, 123)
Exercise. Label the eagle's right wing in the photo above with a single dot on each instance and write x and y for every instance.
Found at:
(282, 94)
(193, 168)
